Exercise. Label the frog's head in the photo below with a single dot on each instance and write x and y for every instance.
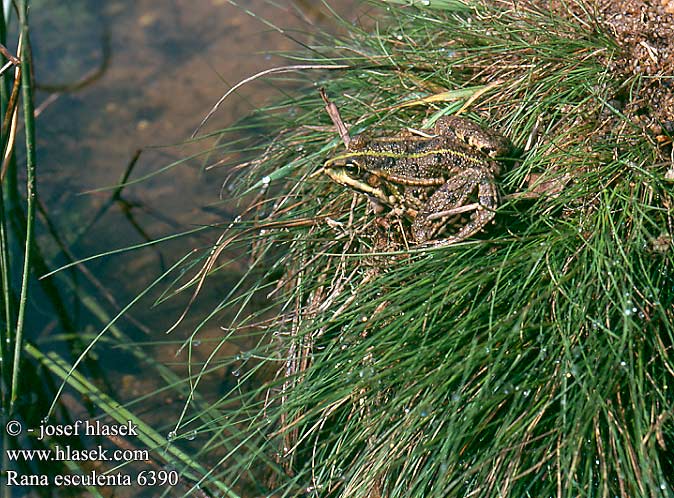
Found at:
(349, 171)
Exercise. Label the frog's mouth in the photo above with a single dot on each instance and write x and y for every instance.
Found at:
(344, 176)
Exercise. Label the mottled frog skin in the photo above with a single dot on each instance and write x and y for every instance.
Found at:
(428, 178)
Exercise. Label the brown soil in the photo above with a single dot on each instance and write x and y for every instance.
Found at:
(644, 33)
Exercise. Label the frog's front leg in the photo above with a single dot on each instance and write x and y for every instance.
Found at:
(452, 195)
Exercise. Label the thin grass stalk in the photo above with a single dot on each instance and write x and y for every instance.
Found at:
(6, 331)
(31, 192)
(5, 337)
(4, 254)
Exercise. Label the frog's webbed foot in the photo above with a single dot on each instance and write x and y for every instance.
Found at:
(478, 220)
(452, 196)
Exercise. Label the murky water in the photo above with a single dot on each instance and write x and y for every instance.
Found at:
(120, 76)
(165, 64)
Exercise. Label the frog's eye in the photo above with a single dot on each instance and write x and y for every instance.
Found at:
(353, 167)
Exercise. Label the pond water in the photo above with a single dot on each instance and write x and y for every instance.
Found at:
(153, 70)
(166, 64)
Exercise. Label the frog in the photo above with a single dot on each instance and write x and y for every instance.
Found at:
(428, 178)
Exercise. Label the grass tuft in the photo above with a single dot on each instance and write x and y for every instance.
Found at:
(534, 359)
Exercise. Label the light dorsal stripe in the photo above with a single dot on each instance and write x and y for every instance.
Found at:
(404, 155)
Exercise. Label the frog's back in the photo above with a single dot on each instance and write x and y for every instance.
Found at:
(421, 157)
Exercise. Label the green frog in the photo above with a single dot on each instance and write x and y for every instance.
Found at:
(427, 178)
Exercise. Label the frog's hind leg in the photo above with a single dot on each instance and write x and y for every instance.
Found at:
(488, 142)
(452, 196)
